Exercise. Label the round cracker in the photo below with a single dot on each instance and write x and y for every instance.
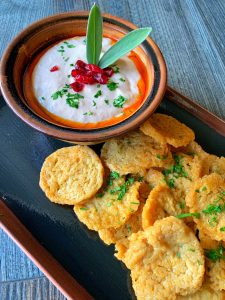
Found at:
(207, 196)
(154, 177)
(167, 129)
(217, 166)
(134, 153)
(107, 211)
(215, 270)
(205, 293)
(161, 263)
(71, 175)
(193, 148)
(133, 224)
(161, 203)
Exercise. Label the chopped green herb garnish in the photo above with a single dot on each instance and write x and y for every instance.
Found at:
(71, 65)
(214, 209)
(94, 103)
(215, 254)
(99, 195)
(113, 175)
(115, 190)
(112, 86)
(106, 101)
(43, 98)
(161, 157)
(109, 204)
(122, 79)
(89, 113)
(73, 100)
(55, 95)
(178, 254)
(204, 188)
(175, 171)
(119, 101)
(123, 190)
(61, 51)
(213, 221)
(135, 203)
(85, 41)
(130, 181)
(83, 208)
(191, 153)
(197, 191)
(68, 45)
(222, 228)
(115, 69)
(98, 85)
(182, 216)
(61, 92)
(99, 93)
(129, 229)
(66, 59)
(140, 178)
(170, 182)
(182, 205)
(190, 249)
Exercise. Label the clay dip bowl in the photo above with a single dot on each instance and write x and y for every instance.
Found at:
(42, 34)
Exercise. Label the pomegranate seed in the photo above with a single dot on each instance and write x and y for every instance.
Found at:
(108, 71)
(101, 78)
(88, 73)
(80, 64)
(55, 68)
(93, 68)
(76, 72)
(77, 86)
(85, 79)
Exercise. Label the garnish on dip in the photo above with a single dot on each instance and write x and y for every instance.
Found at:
(80, 73)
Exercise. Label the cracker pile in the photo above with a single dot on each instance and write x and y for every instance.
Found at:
(159, 197)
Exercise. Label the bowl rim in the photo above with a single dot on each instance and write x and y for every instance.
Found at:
(69, 134)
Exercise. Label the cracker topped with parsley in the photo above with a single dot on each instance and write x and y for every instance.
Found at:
(113, 206)
(207, 197)
(167, 129)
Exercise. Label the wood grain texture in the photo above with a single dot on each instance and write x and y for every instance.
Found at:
(192, 38)
(39, 288)
(14, 263)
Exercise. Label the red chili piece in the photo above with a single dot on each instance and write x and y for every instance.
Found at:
(55, 68)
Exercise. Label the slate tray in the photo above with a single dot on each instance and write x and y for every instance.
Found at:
(75, 256)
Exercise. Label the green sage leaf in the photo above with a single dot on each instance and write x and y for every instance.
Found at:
(123, 46)
(94, 35)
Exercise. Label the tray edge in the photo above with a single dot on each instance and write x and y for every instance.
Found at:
(70, 288)
(51, 268)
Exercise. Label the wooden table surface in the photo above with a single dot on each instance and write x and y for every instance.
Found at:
(190, 34)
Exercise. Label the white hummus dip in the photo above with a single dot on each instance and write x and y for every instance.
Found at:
(95, 102)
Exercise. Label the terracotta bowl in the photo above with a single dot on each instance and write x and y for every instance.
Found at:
(40, 35)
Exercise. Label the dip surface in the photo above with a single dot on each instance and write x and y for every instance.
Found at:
(99, 105)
